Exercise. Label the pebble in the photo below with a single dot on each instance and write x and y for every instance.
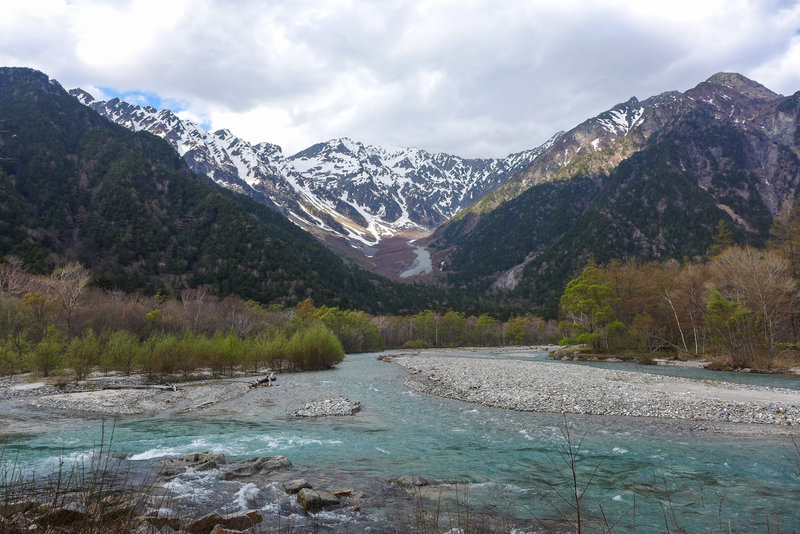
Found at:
(563, 388)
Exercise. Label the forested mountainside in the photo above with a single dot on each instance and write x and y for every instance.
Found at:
(75, 187)
(647, 180)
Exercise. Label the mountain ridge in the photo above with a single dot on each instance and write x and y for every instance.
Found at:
(647, 184)
(339, 189)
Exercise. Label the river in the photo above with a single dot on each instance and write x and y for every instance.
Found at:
(507, 462)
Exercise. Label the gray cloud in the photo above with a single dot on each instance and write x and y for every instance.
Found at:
(474, 78)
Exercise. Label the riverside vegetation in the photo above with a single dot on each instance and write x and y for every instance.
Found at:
(740, 307)
(63, 323)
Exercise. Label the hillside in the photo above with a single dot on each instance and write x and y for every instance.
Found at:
(74, 186)
(646, 180)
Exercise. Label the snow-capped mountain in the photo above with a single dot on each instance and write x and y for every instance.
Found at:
(340, 188)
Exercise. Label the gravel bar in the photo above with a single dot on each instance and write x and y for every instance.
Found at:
(565, 388)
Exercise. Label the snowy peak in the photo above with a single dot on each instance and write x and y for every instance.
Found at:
(621, 118)
(82, 96)
(338, 189)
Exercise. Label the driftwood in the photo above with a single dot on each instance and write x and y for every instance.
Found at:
(268, 380)
(167, 387)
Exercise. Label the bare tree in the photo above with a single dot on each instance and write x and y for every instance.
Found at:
(762, 282)
(67, 284)
(13, 278)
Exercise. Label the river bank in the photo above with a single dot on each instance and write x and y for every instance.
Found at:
(500, 458)
(559, 388)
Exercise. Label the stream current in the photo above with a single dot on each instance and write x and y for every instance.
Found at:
(502, 462)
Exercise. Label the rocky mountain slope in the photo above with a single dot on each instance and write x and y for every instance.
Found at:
(338, 190)
(646, 180)
(76, 187)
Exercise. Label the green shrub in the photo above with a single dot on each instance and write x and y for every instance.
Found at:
(83, 353)
(121, 352)
(416, 344)
(227, 352)
(12, 354)
(48, 355)
(315, 347)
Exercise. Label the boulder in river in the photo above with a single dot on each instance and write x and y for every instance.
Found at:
(293, 486)
(256, 466)
(200, 461)
(315, 500)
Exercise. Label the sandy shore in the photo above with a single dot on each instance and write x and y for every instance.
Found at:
(558, 387)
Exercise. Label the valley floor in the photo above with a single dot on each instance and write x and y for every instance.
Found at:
(460, 374)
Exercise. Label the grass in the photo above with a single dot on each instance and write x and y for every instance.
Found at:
(87, 498)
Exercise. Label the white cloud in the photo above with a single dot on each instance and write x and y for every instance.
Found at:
(473, 77)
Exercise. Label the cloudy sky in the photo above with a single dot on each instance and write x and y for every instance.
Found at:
(469, 77)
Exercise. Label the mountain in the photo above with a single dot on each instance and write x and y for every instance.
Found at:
(344, 192)
(647, 180)
(74, 186)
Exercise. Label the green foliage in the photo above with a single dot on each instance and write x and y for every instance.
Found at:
(416, 344)
(121, 352)
(10, 358)
(83, 353)
(733, 329)
(722, 238)
(47, 356)
(587, 302)
(314, 348)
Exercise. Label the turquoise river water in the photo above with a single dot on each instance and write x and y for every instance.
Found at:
(505, 461)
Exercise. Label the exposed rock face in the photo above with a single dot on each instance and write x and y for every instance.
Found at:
(329, 407)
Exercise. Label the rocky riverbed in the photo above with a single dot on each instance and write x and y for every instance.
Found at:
(560, 388)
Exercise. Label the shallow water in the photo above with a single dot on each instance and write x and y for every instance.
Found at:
(422, 263)
(506, 461)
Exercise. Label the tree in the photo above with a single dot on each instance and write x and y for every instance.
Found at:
(83, 353)
(587, 304)
(722, 238)
(733, 329)
(68, 283)
(761, 282)
(48, 355)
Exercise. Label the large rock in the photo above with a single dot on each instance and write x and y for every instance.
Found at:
(200, 461)
(242, 520)
(315, 500)
(256, 466)
(293, 486)
(204, 525)
(237, 522)
(329, 407)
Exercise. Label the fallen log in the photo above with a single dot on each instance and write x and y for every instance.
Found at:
(166, 387)
(268, 380)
